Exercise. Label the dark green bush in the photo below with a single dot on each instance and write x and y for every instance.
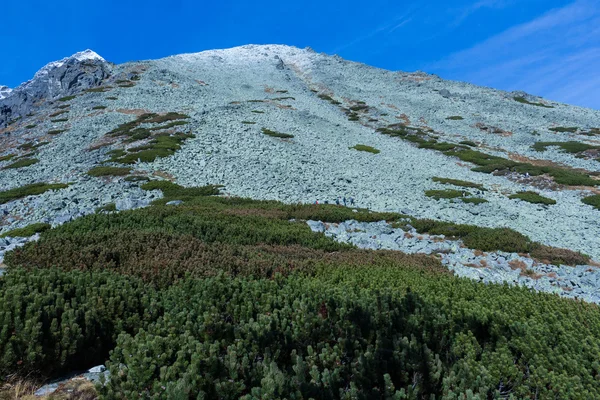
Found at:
(67, 98)
(455, 117)
(29, 230)
(504, 239)
(532, 197)
(109, 171)
(276, 134)
(569, 147)
(98, 107)
(458, 182)
(593, 201)
(56, 131)
(363, 147)
(468, 143)
(7, 157)
(29, 190)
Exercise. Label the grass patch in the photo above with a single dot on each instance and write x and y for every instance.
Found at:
(29, 190)
(101, 89)
(56, 114)
(276, 134)
(30, 126)
(523, 100)
(248, 122)
(24, 162)
(59, 120)
(258, 112)
(568, 147)
(455, 118)
(532, 197)
(7, 157)
(593, 201)
(27, 231)
(159, 147)
(363, 147)
(99, 107)
(66, 98)
(564, 129)
(56, 131)
(109, 171)
(468, 143)
(473, 200)
(32, 146)
(458, 182)
(444, 194)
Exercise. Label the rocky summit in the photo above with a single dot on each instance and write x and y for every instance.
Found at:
(269, 161)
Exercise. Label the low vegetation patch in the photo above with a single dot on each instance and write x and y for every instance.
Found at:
(112, 98)
(454, 194)
(59, 120)
(364, 147)
(568, 147)
(234, 293)
(532, 197)
(468, 143)
(27, 231)
(458, 182)
(276, 134)
(248, 122)
(30, 126)
(67, 98)
(98, 107)
(136, 178)
(258, 112)
(56, 114)
(56, 131)
(523, 100)
(328, 98)
(29, 190)
(24, 162)
(7, 157)
(455, 118)
(109, 171)
(564, 129)
(593, 201)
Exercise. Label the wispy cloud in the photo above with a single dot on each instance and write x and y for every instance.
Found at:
(555, 55)
(467, 11)
(383, 29)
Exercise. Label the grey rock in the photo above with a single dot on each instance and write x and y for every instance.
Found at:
(174, 203)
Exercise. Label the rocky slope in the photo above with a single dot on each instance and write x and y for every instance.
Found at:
(239, 101)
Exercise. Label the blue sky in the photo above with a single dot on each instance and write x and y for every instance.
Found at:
(546, 47)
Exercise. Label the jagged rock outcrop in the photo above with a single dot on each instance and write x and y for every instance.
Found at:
(83, 70)
(4, 91)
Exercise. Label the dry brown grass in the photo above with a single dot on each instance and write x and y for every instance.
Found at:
(137, 111)
(164, 175)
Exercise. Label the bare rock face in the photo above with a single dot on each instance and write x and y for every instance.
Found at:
(58, 79)
(4, 91)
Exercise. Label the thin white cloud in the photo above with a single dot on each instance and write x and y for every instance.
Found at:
(555, 55)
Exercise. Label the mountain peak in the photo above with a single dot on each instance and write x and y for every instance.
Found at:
(4, 91)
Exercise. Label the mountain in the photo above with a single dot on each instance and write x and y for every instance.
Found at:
(494, 186)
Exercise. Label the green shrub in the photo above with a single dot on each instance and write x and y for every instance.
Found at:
(7, 157)
(27, 231)
(276, 134)
(30, 126)
(564, 129)
(458, 182)
(532, 197)
(56, 114)
(455, 118)
(29, 190)
(112, 98)
(523, 100)
(98, 107)
(557, 256)
(473, 200)
(363, 147)
(56, 131)
(468, 143)
(59, 120)
(503, 239)
(569, 147)
(444, 194)
(24, 162)
(258, 112)
(67, 98)
(593, 201)
(248, 122)
(109, 171)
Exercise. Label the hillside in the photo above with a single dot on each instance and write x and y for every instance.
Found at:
(224, 154)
